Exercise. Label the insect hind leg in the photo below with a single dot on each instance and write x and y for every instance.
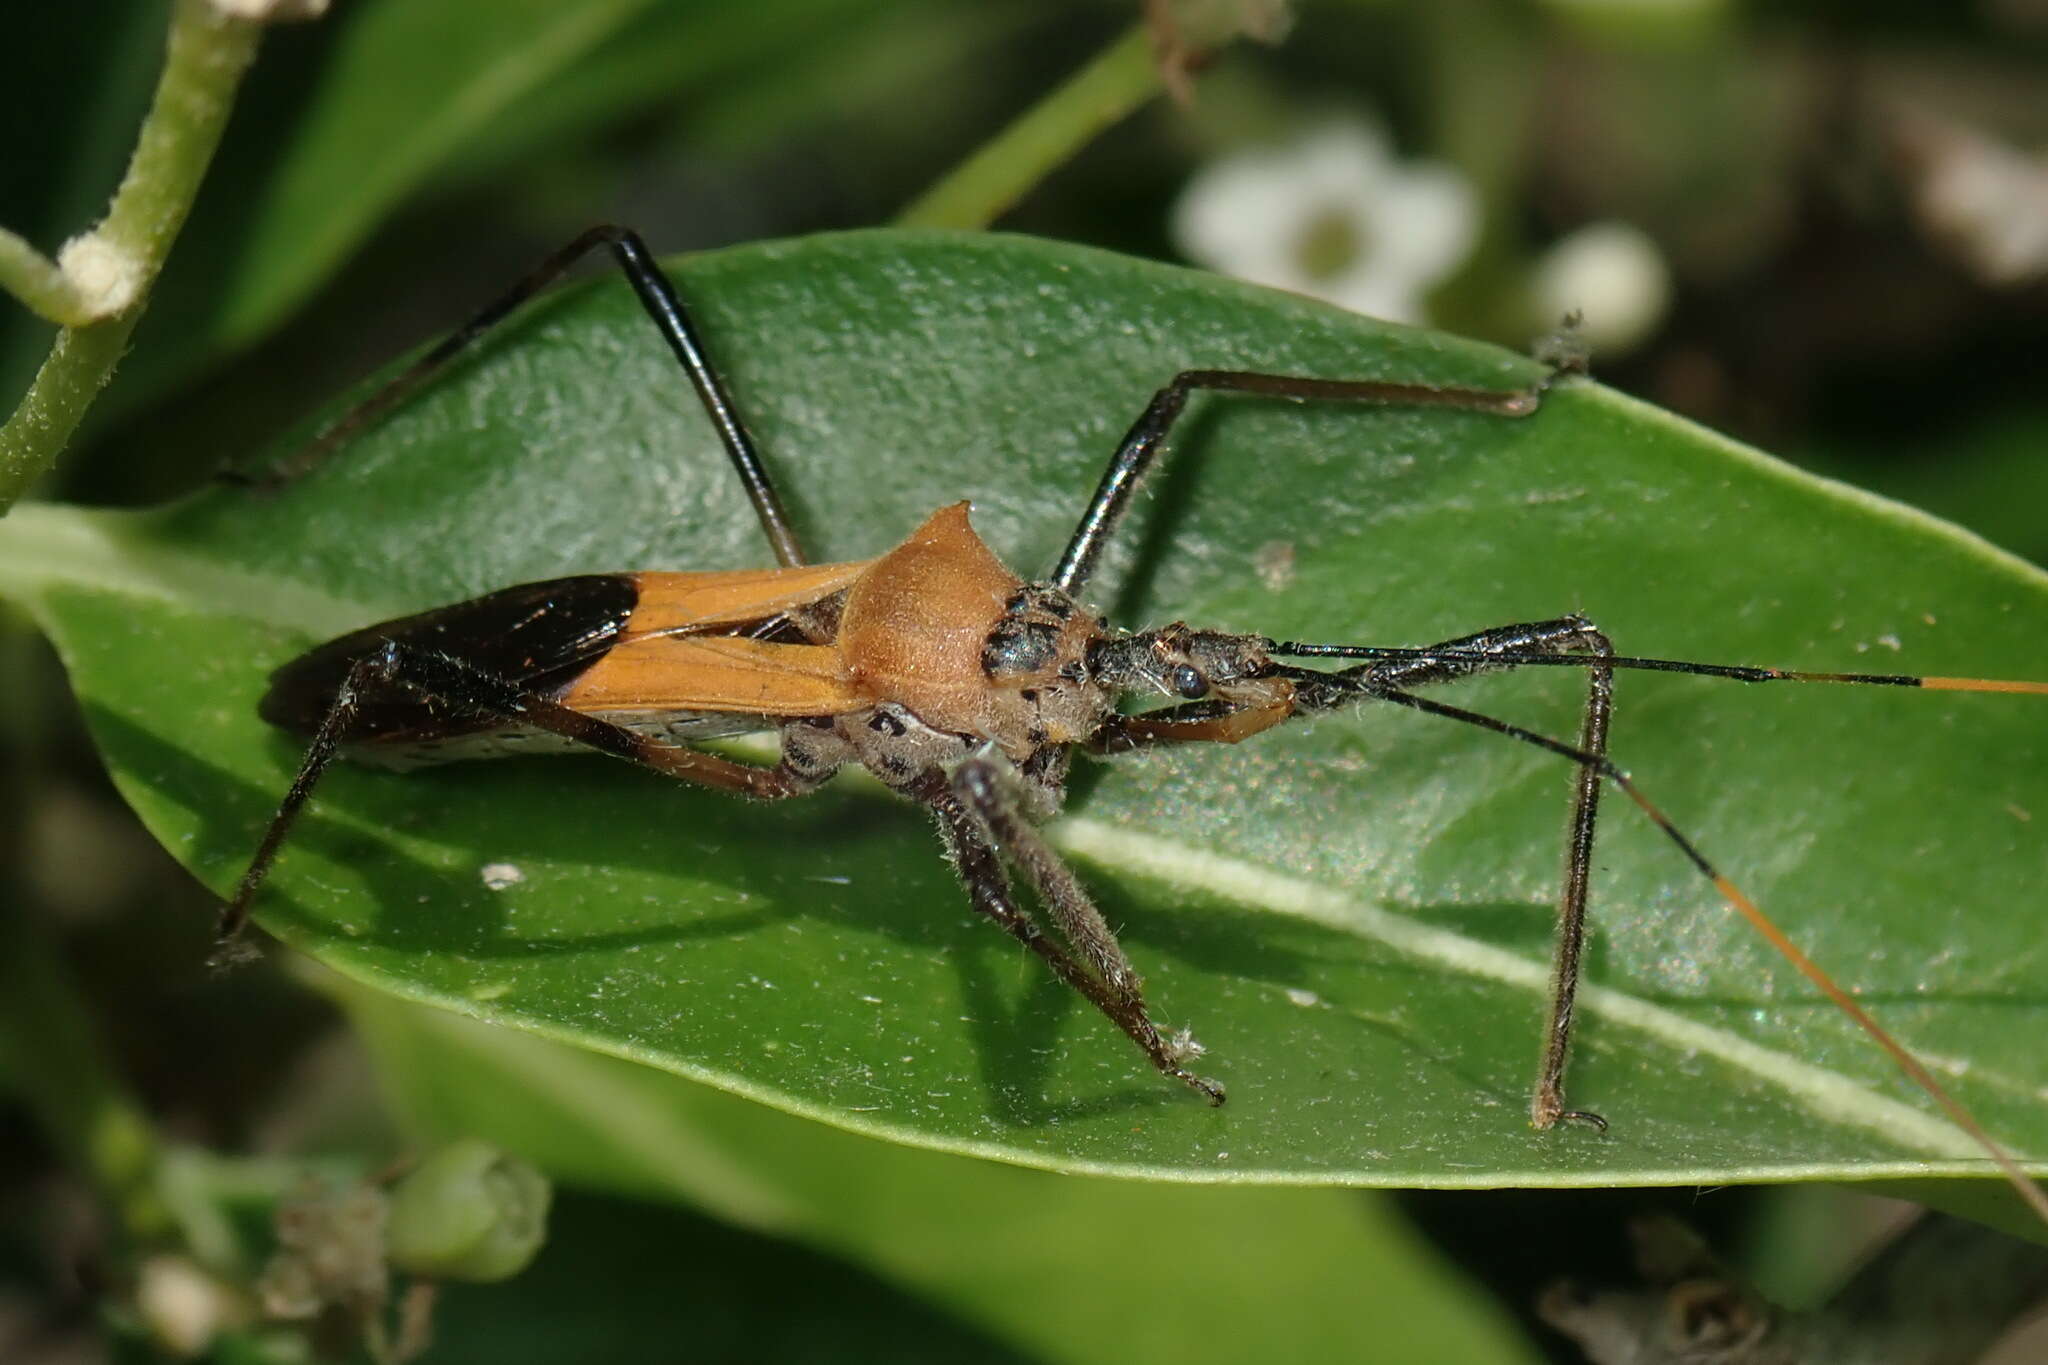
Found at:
(451, 684)
(671, 317)
(228, 947)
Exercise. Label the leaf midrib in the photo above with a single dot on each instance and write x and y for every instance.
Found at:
(1827, 1094)
(74, 546)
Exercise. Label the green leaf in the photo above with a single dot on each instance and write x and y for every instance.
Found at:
(1084, 1272)
(1352, 914)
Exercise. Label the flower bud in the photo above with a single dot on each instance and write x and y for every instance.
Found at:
(468, 1212)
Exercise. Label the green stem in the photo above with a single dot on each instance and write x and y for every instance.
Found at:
(41, 283)
(977, 191)
(207, 53)
(1483, 95)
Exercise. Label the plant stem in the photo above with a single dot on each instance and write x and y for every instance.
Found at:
(980, 189)
(41, 283)
(207, 53)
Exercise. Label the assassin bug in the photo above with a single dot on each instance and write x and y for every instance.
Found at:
(917, 665)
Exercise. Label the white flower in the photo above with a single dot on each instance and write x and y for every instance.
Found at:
(1986, 201)
(1332, 215)
(182, 1306)
(1612, 275)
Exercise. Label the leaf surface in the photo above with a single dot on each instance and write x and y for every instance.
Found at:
(1352, 914)
(1084, 1272)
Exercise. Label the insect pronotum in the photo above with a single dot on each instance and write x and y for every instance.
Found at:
(954, 681)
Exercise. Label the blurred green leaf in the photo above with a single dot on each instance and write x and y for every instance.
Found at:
(623, 1281)
(1353, 915)
(751, 72)
(423, 95)
(1067, 1270)
(406, 86)
(1986, 473)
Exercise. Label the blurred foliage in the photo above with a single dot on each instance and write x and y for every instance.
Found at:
(395, 164)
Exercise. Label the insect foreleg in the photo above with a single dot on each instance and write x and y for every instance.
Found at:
(1220, 720)
(1740, 901)
(1563, 636)
(1142, 444)
(452, 685)
(1203, 722)
(670, 317)
(976, 819)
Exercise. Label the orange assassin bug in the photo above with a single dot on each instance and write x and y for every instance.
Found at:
(954, 681)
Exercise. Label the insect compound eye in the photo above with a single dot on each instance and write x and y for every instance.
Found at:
(1187, 680)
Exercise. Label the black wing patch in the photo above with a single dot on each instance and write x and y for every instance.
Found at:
(542, 636)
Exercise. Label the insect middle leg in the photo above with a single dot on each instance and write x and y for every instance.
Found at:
(454, 686)
(1144, 442)
(670, 317)
(981, 827)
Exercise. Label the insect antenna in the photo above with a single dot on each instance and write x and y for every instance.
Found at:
(1365, 689)
(1733, 672)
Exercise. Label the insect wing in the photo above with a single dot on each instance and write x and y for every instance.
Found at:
(715, 673)
(702, 602)
(686, 647)
(541, 636)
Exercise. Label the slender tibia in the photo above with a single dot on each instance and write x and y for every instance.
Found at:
(1142, 444)
(670, 317)
(1571, 639)
(453, 685)
(340, 715)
